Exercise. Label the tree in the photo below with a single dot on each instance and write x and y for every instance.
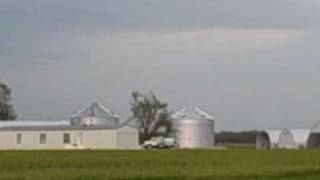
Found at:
(151, 116)
(6, 109)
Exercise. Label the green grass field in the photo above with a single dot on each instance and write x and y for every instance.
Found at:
(160, 165)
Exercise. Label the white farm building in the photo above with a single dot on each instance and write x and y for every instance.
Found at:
(94, 127)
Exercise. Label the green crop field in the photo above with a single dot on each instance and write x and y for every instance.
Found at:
(160, 165)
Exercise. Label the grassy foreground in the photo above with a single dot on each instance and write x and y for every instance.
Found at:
(160, 165)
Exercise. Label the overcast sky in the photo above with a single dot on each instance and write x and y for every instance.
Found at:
(249, 63)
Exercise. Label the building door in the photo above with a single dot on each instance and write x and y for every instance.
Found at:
(79, 139)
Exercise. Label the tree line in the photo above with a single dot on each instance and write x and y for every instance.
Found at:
(246, 137)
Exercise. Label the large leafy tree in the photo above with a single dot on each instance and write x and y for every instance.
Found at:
(6, 109)
(151, 116)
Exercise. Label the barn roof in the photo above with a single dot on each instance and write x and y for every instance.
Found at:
(56, 128)
(34, 123)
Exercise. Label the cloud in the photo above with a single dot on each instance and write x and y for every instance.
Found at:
(162, 42)
(79, 15)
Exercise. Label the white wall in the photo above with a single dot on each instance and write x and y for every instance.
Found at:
(128, 140)
(91, 139)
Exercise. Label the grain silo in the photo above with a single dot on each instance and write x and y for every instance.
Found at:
(195, 128)
(95, 114)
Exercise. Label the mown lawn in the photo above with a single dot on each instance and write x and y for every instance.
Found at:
(160, 165)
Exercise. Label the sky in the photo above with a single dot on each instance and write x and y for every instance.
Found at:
(252, 64)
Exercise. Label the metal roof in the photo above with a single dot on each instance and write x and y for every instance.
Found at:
(33, 123)
(55, 128)
(192, 112)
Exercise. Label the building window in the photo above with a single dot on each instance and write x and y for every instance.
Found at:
(19, 138)
(66, 138)
(43, 138)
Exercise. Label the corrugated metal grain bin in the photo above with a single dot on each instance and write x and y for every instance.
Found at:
(195, 128)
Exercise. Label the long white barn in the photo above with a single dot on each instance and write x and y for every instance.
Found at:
(92, 128)
(67, 137)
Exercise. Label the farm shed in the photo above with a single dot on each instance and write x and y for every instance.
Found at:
(268, 139)
(195, 128)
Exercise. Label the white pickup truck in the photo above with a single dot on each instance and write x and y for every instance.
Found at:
(160, 142)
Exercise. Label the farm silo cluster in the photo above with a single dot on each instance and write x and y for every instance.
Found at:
(96, 127)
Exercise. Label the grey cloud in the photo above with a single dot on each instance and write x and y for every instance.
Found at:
(28, 25)
(73, 14)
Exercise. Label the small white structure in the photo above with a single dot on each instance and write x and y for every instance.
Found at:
(59, 135)
(195, 128)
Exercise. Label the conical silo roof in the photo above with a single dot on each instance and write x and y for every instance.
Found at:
(191, 112)
(95, 110)
(95, 114)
